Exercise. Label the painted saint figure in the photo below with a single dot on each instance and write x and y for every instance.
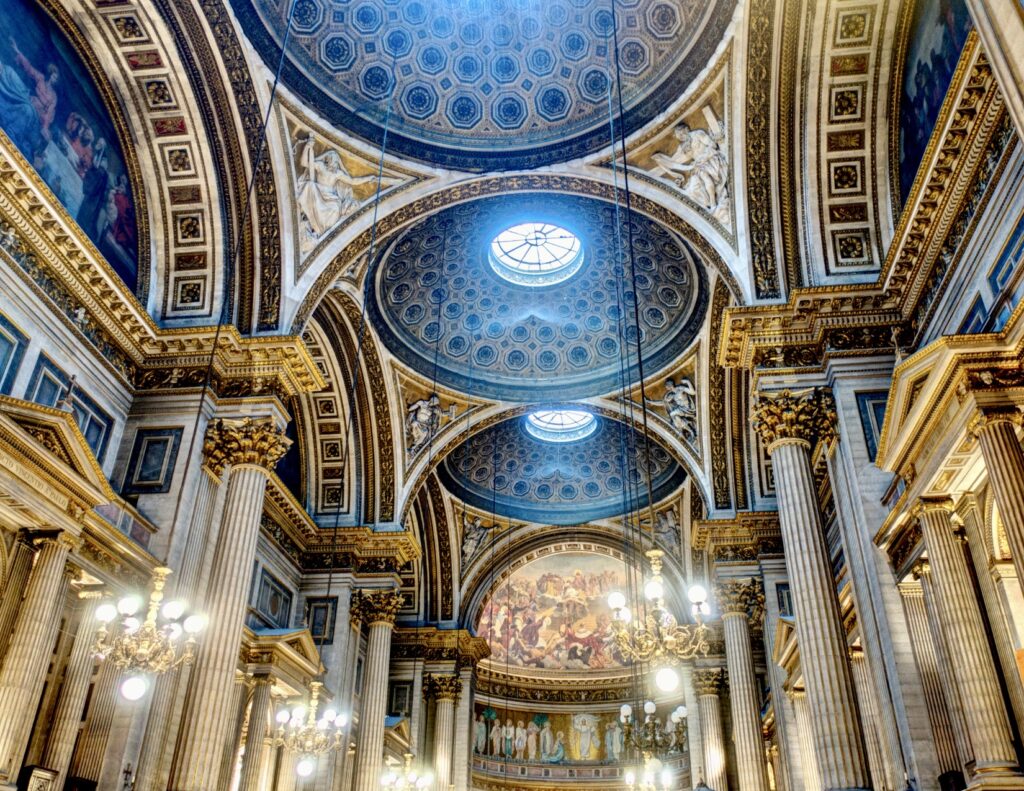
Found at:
(480, 735)
(520, 744)
(496, 738)
(613, 741)
(508, 735)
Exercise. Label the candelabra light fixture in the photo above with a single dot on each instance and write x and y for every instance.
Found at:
(654, 776)
(653, 742)
(407, 778)
(658, 637)
(165, 638)
(301, 732)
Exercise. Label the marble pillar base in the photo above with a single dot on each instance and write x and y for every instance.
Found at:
(996, 780)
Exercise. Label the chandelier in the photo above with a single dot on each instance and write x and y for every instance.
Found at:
(654, 776)
(150, 646)
(659, 637)
(408, 778)
(300, 732)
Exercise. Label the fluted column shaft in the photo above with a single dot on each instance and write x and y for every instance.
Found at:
(446, 691)
(259, 712)
(14, 586)
(805, 732)
(463, 732)
(1004, 461)
(863, 686)
(734, 599)
(209, 713)
(29, 651)
(378, 610)
(155, 756)
(708, 684)
(931, 679)
(88, 761)
(68, 714)
(833, 710)
(971, 661)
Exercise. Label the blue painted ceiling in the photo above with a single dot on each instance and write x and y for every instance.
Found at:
(505, 470)
(486, 84)
(501, 340)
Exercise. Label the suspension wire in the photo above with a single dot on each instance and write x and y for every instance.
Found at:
(230, 265)
(357, 358)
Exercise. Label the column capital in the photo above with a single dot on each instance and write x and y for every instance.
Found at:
(794, 417)
(442, 687)
(708, 681)
(932, 505)
(921, 569)
(256, 441)
(989, 416)
(376, 606)
(61, 538)
(739, 597)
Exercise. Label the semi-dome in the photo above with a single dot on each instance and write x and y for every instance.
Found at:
(486, 84)
(527, 341)
(511, 471)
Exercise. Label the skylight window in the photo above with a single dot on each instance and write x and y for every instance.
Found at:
(560, 425)
(536, 254)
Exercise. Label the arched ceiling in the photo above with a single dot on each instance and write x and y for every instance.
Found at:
(507, 471)
(523, 343)
(486, 84)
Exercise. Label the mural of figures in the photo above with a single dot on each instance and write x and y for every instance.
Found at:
(553, 613)
(937, 35)
(549, 737)
(53, 113)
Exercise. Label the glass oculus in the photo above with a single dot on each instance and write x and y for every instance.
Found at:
(560, 425)
(536, 254)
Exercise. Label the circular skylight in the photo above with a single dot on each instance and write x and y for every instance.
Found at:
(536, 254)
(560, 425)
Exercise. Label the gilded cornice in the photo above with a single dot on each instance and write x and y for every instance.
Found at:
(439, 645)
(61, 264)
(758, 530)
(494, 681)
(291, 657)
(816, 322)
(442, 686)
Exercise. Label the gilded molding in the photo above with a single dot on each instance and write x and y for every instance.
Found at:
(440, 645)
(375, 607)
(805, 416)
(717, 409)
(990, 416)
(247, 441)
(442, 687)
(740, 597)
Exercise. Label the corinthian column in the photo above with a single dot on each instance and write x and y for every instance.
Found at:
(805, 733)
(932, 681)
(788, 425)
(252, 448)
(29, 652)
(259, 711)
(996, 430)
(865, 690)
(462, 750)
(735, 600)
(974, 670)
(153, 766)
(377, 610)
(445, 690)
(14, 587)
(708, 684)
(68, 715)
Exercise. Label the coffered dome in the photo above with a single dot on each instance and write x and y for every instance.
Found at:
(486, 84)
(529, 340)
(512, 471)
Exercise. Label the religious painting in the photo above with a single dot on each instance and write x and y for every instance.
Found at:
(53, 113)
(547, 738)
(553, 614)
(938, 32)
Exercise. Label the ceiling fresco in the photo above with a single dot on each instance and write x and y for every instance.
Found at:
(553, 614)
(506, 470)
(503, 340)
(486, 84)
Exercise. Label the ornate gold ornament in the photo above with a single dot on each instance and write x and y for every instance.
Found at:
(659, 638)
(803, 416)
(245, 441)
(372, 607)
(708, 681)
(740, 597)
(152, 646)
(301, 732)
(443, 687)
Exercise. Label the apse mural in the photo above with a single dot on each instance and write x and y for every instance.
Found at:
(552, 613)
(547, 737)
(52, 111)
(937, 35)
